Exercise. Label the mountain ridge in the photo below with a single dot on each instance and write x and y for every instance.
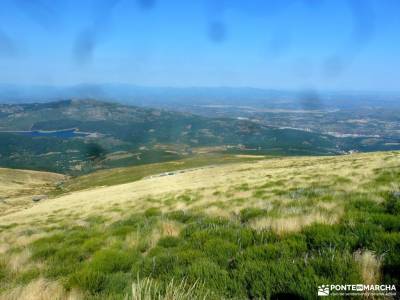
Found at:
(147, 134)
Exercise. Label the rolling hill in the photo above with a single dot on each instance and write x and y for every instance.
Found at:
(80, 136)
(192, 230)
(19, 187)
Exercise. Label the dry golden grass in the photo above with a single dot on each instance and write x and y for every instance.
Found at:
(370, 266)
(163, 229)
(149, 289)
(292, 223)
(216, 212)
(169, 228)
(18, 261)
(20, 182)
(41, 289)
(17, 187)
(278, 186)
(19, 237)
(283, 174)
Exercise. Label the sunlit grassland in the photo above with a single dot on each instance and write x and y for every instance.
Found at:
(134, 173)
(254, 229)
(17, 187)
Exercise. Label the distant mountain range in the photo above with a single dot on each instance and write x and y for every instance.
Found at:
(172, 97)
(74, 136)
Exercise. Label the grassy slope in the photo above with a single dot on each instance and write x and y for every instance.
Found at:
(250, 229)
(17, 187)
(129, 174)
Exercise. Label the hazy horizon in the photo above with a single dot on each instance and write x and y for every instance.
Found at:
(199, 87)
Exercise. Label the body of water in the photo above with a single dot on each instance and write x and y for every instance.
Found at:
(64, 134)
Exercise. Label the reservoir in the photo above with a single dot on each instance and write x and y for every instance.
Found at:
(63, 134)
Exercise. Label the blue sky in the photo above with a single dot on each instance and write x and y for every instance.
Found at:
(294, 44)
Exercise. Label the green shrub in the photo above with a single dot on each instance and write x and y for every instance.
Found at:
(321, 236)
(243, 187)
(3, 271)
(111, 260)
(118, 284)
(294, 279)
(388, 245)
(186, 256)
(46, 247)
(69, 254)
(263, 253)
(27, 276)
(255, 279)
(294, 244)
(342, 180)
(387, 177)
(288, 247)
(65, 261)
(162, 264)
(107, 271)
(182, 216)
(220, 251)
(259, 193)
(210, 274)
(392, 204)
(122, 230)
(387, 221)
(42, 250)
(199, 233)
(364, 235)
(361, 203)
(89, 280)
(95, 219)
(230, 259)
(134, 223)
(287, 278)
(187, 198)
(249, 213)
(78, 235)
(337, 266)
(168, 242)
(93, 244)
(152, 212)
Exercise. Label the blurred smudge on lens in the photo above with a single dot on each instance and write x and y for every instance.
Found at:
(8, 46)
(363, 19)
(84, 46)
(89, 91)
(217, 31)
(88, 39)
(41, 12)
(309, 99)
(95, 152)
(361, 34)
(146, 4)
